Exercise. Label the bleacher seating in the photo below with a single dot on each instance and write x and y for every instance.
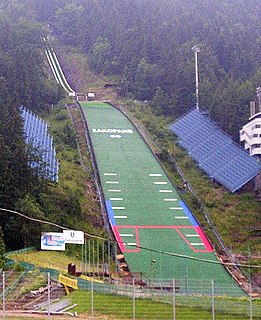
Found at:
(214, 150)
(36, 135)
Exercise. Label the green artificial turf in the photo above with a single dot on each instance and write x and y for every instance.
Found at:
(141, 212)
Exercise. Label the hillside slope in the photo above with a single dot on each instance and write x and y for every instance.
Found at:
(217, 201)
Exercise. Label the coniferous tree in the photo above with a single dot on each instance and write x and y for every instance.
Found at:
(2, 248)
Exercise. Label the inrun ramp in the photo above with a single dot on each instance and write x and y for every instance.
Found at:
(214, 151)
(149, 219)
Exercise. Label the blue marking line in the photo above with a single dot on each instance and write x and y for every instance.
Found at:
(110, 212)
(189, 214)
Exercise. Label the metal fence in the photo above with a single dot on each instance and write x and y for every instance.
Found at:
(29, 294)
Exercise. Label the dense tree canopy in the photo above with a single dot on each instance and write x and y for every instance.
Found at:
(23, 81)
(147, 44)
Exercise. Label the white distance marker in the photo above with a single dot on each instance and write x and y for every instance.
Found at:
(114, 190)
(112, 182)
(192, 235)
(155, 175)
(160, 182)
(165, 191)
(197, 244)
(116, 199)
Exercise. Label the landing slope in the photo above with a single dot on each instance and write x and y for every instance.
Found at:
(146, 213)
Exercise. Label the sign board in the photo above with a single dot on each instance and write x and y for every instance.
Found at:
(74, 237)
(91, 96)
(52, 241)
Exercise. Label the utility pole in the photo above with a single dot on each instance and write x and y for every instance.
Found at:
(196, 50)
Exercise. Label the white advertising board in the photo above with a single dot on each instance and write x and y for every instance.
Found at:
(73, 236)
(52, 241)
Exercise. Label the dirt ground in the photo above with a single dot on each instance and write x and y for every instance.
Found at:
(14, 315)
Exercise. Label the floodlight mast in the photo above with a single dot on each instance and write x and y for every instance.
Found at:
(196, 50)
(258, 93)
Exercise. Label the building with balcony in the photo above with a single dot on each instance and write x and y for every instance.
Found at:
(250, 135)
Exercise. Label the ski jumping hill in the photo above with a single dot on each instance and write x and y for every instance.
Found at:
(155, 230)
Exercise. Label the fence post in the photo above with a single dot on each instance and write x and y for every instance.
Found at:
(92, 302)
(82, 262)
(213, 299)
(250, 285)
(133, 300)
(85, 255)
(174, 300)
(250, 300)
(49, 294)
(3, 294)
(89, 256)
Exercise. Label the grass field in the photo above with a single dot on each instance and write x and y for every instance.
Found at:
(116, 307)
(47, 259)
(156, 305)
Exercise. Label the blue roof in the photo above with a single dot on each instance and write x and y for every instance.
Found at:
(36, 134)
(214, 151)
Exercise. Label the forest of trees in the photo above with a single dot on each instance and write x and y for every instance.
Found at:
(23, 81)
(146, 45)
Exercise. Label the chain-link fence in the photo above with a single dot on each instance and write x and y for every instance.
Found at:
(45, 295)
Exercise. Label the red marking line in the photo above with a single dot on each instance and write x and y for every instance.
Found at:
(157, 227)
(204, 239)
(122, 244)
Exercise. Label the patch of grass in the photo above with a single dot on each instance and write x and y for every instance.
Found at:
(24, 317)
(118, 307)
(76, 67)
(71, 175)
(47, 259)
(32, 281)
